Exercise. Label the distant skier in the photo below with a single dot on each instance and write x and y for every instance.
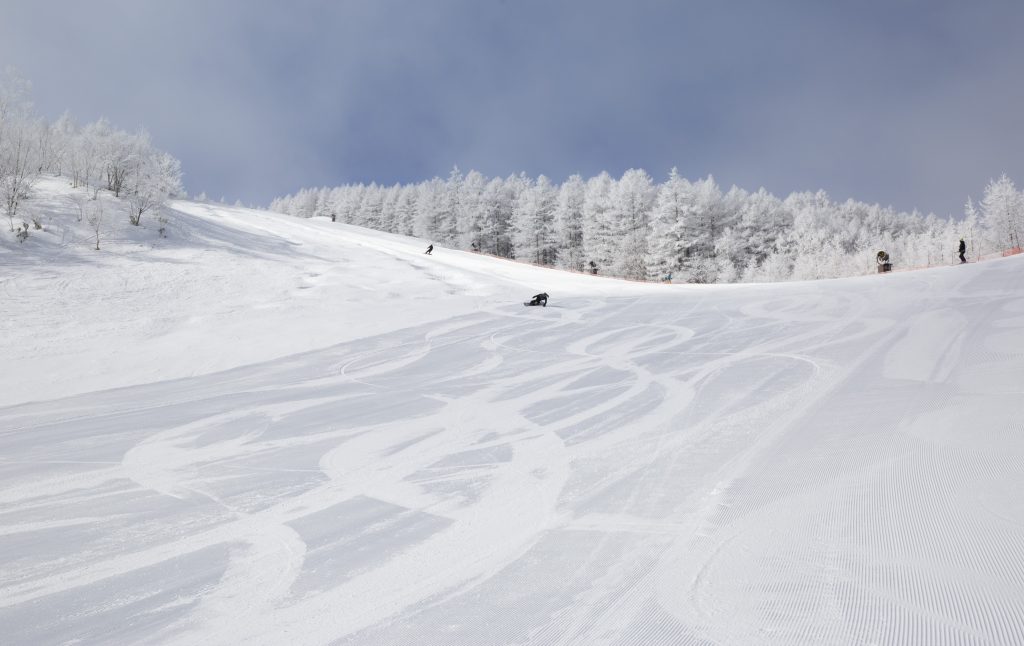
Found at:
(593, 268)
(540, 299)
(429, 249)
(963, 250)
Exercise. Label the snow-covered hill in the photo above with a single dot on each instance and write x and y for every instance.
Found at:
(269, 430)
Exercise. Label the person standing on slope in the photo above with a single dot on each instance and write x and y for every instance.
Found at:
(963, 249)
(429, 249)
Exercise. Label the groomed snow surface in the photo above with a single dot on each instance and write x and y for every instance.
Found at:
(263, 430)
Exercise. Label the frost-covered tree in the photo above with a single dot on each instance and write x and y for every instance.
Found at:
(667, 237)
(447, 216)
(470, 212)
(970, 227)
(62, 135)
(405, 210)
(372, 208)
(569, 224)
(497, 204)
(631, 202)
(430, 204)
(762, 220)
(389, 210)
(19, 162)
(1002, 208)
(80, 157)
(533, 219)
(810, 238)
(96, 219)
(703, 223)
(350, 204)
(599, 241)
(154, 178)
(119, 151)
(20, 153)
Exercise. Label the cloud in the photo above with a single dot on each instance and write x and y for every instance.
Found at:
(911, 103)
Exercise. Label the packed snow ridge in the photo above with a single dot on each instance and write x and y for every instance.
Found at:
(266, 430)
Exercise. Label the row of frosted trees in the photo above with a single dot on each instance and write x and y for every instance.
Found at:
(634, 228)
(96, 155)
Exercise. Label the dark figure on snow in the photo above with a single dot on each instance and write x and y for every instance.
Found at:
(474, 247)
(540, 299)
(884, 265)
(963, 250)
(593, 268)
(429, 249)
(334, 218)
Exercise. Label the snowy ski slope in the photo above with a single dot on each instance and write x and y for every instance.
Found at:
(273, 431)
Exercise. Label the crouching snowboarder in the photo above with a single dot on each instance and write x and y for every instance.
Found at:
(540, 299)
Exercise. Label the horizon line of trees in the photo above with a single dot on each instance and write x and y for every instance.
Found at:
(691, 231)
(95, 156)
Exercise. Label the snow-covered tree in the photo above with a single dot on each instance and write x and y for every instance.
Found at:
(155, 178)
(667, 237)
(631, 202)
(350, 204)
(405, 210)
(20, 153)
(119, 152)
(533, 219)
(497, 204)
(1002, 208)
(703, 223)
(389, 210)
(447, 217)
(19, 162)
(372, 207)
(569, 224)
(970, 227)
(762, 220)
(96, 219)
(470, 212)
(599, 243)
(430, 204)
(62, 136)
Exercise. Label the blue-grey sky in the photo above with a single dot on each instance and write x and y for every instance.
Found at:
(913, 103)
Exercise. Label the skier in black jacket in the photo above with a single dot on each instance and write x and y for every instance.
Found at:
(963, 249)
(539, 299)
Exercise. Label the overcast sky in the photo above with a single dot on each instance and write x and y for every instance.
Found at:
(916, 104)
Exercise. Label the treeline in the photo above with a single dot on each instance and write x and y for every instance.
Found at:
(97, 156)
(694, 230)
